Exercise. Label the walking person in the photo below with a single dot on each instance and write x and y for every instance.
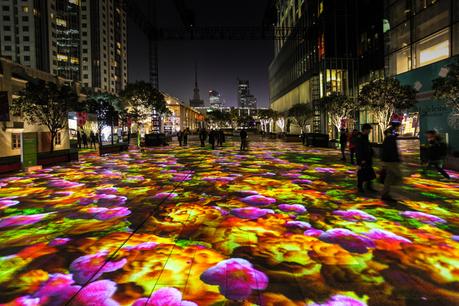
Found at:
(92, 139)
(78, 139)
(185, 136)
(212, 138)
(343, 143)
(221, 137)
(244, 144)
(436, 153)
(203, 136)
(84, 138)
(353, 138)
(390, 156)
(180, 137)
(364, 156)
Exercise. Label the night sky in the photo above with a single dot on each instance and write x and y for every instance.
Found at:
(220, 63)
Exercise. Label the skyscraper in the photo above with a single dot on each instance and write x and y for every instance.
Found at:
(80, 40)
(196, 101)
(244, 98)
(215, 99)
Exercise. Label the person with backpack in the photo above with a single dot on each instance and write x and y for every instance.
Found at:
(436, 152)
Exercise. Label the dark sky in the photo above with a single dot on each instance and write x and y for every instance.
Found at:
(220, 63)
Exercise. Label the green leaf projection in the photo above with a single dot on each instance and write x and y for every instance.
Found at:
(278, 225)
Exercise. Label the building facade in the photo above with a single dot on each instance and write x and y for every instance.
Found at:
(324, 47)
(79, 40)
(421, 39)
(215, 99)
(244, 98)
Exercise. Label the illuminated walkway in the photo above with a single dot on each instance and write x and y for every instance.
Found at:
(279, 225)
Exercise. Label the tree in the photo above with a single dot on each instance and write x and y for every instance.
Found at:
(47, 104)
(338, 107)
(447, 88)
(267, 117)
(302, 114)
(218, 118)
(142, 101)
(281, 122)
(107, 108)
(384, 97)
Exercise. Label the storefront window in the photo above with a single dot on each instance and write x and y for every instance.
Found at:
(398, 38)
(15, 141)
(400, 61)
(432, 49)
(433, 19)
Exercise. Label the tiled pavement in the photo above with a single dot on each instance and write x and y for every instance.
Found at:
(278, 225)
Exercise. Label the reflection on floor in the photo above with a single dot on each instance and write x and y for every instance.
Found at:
(279, 225)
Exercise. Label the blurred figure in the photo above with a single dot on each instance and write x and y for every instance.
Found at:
(390, 157)
(185, 136)
(203, 136)
(212, 138)
(221, 138)
(437, 151)
(364, 155)
(180, 137)
(84, 138)
(78, 139)
(92, 139)
(244, 144)
(343, 143)
(353, 138)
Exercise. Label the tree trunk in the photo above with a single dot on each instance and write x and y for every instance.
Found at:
(53, 138)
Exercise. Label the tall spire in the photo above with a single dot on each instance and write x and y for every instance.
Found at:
(195, 74)
(196, 101)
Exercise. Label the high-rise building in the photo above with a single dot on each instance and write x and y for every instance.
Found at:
(215, 99)
(196, 101)
(326, 47)
(244, 98)
(80, 40)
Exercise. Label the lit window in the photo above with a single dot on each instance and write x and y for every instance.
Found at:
(433, 49)
(57, 140)
(62, 57)
(61, 22)
(25, 9)
(15, 141)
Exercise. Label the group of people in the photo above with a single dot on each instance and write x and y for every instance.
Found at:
(391, 173)
(182, 137)
(83, 140)
(216, 138)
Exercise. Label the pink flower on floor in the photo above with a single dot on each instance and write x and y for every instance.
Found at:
(221, 210)
(7, 203)
(102, 213)
(97, 293)
(251, 213)
(164, 297)
(354, 215)
(59, 241)
(108, 190)
(55, 285)
(165, 195)
(423, 217)
(341, 300)
(379, 234)
(297, 208)
(110, 199)
(236, 278)
(348, 240)
(26, 300)
(22, 220)
(297, 224)
(64, 184)
(142, 246)
(258, 200)
(313, 232)
(86, 268)
(222, 179)
(302, 181)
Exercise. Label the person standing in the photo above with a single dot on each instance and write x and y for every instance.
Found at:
(212, 136)
(390, 157)
(437, 151)
(78, 139)
(221, 137)
(343, 143)
(243, 135)
(203, 136)
(364, 156)
(185, 136)
(92, 139)
(353, 138)
(180, 137)
(84, 137)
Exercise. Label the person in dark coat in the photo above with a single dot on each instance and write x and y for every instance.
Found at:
(79, 139)
(343, 143)
(203, 136)
(221, 137)
(180, 137)
(84, 138)
(185, 136)
(436, 152)
(92, 139)
(390, 156)
(244, 144)
(364, 156)
(212, 138)
(353, 138)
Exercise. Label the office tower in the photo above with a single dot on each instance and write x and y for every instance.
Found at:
(215, 100)
(245, 99)
(79, 40)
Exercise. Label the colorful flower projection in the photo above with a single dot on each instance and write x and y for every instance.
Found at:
(278, 225)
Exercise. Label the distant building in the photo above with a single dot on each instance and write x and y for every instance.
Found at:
(196, 101)
(215, 99)
(77, 40)
(244, 98)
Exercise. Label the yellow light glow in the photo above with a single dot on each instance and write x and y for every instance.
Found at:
(62, 57)
(435, 53)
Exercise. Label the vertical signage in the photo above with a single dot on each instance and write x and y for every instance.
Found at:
(29, 145)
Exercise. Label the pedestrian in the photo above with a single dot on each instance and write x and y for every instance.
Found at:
(303, 137)
(343, 143)
(78, 139)
(84, 138)
(244, 144)
(436, 152)
(92, 139)
(364, 156)
(212, 138)
(98, 140)
(353, 138)
(180, 137)
(203, 136)
(185, 136)
(390, 156)
(221, 137)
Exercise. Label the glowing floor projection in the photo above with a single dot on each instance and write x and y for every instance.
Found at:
(279, 225)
